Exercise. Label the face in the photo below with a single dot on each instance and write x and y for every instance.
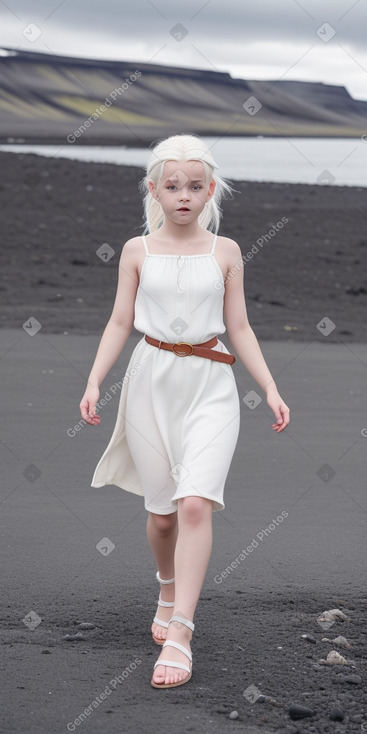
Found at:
(183, 190)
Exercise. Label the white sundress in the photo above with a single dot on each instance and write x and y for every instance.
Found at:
(178, 417)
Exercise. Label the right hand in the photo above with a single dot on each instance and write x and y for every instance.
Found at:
(88, 406)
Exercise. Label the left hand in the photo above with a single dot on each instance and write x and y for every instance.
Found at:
(280, 410)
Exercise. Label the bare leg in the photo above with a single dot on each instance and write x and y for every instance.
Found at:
(192, 554)
(162, 534)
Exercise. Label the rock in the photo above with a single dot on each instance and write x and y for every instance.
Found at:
(299, 712)
(86, 626)
(45, 652)
(233, 715)
(76, 637)
(341, 641)
(334, 658)
(309, 638)
(332, 615)
(336, 714)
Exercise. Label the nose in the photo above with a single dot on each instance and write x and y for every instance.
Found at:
(184, 194)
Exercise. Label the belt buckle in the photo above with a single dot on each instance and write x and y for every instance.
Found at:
(183, 352)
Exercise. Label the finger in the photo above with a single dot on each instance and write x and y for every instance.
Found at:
(282, 426)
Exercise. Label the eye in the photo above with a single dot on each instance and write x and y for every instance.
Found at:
(197, 187)
(170, 187)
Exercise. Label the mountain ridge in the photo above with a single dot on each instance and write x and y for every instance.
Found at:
(51, 98)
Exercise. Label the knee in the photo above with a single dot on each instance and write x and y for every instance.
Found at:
(194, 510)
(163, 524)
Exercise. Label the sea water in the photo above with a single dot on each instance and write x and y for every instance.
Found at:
(330, 161)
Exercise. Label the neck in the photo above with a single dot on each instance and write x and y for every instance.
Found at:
(184, 232)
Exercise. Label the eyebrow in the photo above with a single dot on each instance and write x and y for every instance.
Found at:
(195, 180)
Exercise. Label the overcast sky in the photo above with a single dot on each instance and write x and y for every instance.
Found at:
(307, 40)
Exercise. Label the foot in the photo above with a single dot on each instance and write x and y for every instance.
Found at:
(164, 674)
(164, 613)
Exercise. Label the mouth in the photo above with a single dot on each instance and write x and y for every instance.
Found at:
(183, 209)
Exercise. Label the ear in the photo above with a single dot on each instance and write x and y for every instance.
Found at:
(152, 189)
(211, 189)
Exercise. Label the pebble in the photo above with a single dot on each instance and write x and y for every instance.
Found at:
(299, 712)
(331, 615)
(341, 641)
(333, 658)
(86, 626)
(336, 714)
(45, 652)
(233, 715)
(77, 636)
(309, 638)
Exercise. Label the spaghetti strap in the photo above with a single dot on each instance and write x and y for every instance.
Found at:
(145, 244)
(213, 245)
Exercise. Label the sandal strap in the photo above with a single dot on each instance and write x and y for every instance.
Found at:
(163, 581)
(178, 646)
(183, 620)
(171, 664)
(162, 603)
(159, 621)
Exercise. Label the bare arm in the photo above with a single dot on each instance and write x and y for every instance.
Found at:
(116, 332)
(244, 340)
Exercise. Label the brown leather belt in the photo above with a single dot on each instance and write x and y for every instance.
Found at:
(184, 349)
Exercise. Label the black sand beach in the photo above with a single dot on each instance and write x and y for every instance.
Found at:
(254, 610)
(56, 213)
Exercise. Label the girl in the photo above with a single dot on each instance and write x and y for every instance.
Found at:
(178, 417)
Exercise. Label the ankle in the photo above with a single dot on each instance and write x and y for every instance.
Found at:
(181, 629)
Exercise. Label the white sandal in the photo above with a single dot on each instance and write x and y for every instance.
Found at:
(162, 603)
(171, 663)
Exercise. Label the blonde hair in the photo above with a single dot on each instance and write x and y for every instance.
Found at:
(182, 148)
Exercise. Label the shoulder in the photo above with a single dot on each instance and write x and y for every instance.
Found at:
(135, 244)
(229, 248)
(133, 250)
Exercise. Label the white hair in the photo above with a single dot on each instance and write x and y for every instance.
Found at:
(182, 148)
